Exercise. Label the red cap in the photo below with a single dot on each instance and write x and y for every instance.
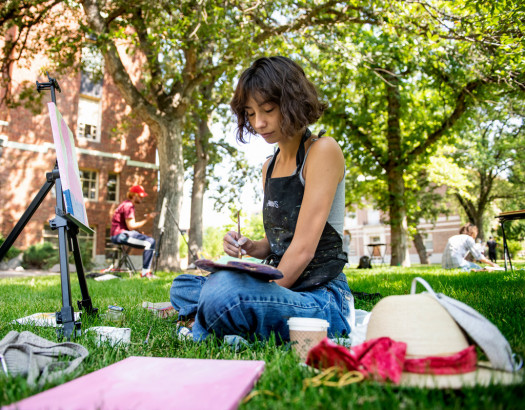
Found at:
(138, 189)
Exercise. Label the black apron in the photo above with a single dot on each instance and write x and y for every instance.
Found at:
(282, 203)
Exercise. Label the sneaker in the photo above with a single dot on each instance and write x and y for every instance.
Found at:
(149, 275)
(182, 332)
(108, 269)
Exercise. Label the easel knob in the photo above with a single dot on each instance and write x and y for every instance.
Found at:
(52, 84)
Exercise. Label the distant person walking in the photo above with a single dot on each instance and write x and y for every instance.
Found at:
(492, 244)
(459, 246)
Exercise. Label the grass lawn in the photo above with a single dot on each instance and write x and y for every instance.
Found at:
(498, 296)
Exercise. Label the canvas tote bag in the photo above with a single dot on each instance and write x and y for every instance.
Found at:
(38, 359)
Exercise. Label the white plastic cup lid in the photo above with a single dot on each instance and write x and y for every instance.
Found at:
(308, 324)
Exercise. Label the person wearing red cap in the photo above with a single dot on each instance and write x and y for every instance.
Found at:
(124, 228)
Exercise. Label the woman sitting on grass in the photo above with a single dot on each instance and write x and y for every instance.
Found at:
(303, 213)
(459, 246)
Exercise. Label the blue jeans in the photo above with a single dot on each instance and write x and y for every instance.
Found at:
(140, 241)
(233, 303)
(467, 266)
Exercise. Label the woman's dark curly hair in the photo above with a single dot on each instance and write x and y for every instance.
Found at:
(281, 81)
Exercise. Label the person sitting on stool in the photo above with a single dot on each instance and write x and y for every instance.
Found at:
(124, 228)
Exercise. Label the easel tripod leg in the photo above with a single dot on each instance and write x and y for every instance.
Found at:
(85, 304)
(506, 253)
(66, 316)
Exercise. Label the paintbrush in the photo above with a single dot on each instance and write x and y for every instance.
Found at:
(239, 232)
(147, 337)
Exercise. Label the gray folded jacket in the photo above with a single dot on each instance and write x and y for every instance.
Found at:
(37, 359)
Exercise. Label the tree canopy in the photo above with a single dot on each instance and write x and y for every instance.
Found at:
(398, 76)
(177, 47)
(398, 88)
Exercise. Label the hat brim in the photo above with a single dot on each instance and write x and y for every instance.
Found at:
(482, 376)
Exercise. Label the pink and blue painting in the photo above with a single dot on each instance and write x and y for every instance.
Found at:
(67, 166)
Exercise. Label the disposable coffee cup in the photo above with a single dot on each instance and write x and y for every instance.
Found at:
(305, 333)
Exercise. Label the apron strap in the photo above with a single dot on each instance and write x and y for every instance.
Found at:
(298, 159)
(301, 151)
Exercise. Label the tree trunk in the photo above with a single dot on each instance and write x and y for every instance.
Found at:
(478, 221)
(171, 170)
(394, 174)
(197, 192)
(421, 249)
(398, 220)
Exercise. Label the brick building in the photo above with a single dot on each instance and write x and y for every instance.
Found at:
(110, 161)
(368, 232)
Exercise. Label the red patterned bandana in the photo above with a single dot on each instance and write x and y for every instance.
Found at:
(384, 359)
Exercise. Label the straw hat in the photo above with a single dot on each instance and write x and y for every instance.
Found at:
(421, 322)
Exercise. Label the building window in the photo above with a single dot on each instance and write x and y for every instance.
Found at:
(89, 182)
(92, 73)
(373, 217)
(89, 103)
(429, 243)
(112, 187)
(88, 119)
(87, 131)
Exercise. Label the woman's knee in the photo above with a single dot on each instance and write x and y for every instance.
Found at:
(222, 287)
(186, 289)
(222, 296)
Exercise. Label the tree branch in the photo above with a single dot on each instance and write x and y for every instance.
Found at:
(466, 205)
(25, 17)
(460, 107)
(312, 18)
(133, 97)
(363, 139)
(151, 56)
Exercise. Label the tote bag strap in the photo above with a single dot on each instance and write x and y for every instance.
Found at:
(426, 285)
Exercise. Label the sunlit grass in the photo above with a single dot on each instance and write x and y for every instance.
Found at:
(498, 296)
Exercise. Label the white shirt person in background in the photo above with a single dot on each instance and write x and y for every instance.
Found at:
(459, 246)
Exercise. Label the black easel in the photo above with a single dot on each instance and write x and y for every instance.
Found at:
(504, 217)
(68, 228)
